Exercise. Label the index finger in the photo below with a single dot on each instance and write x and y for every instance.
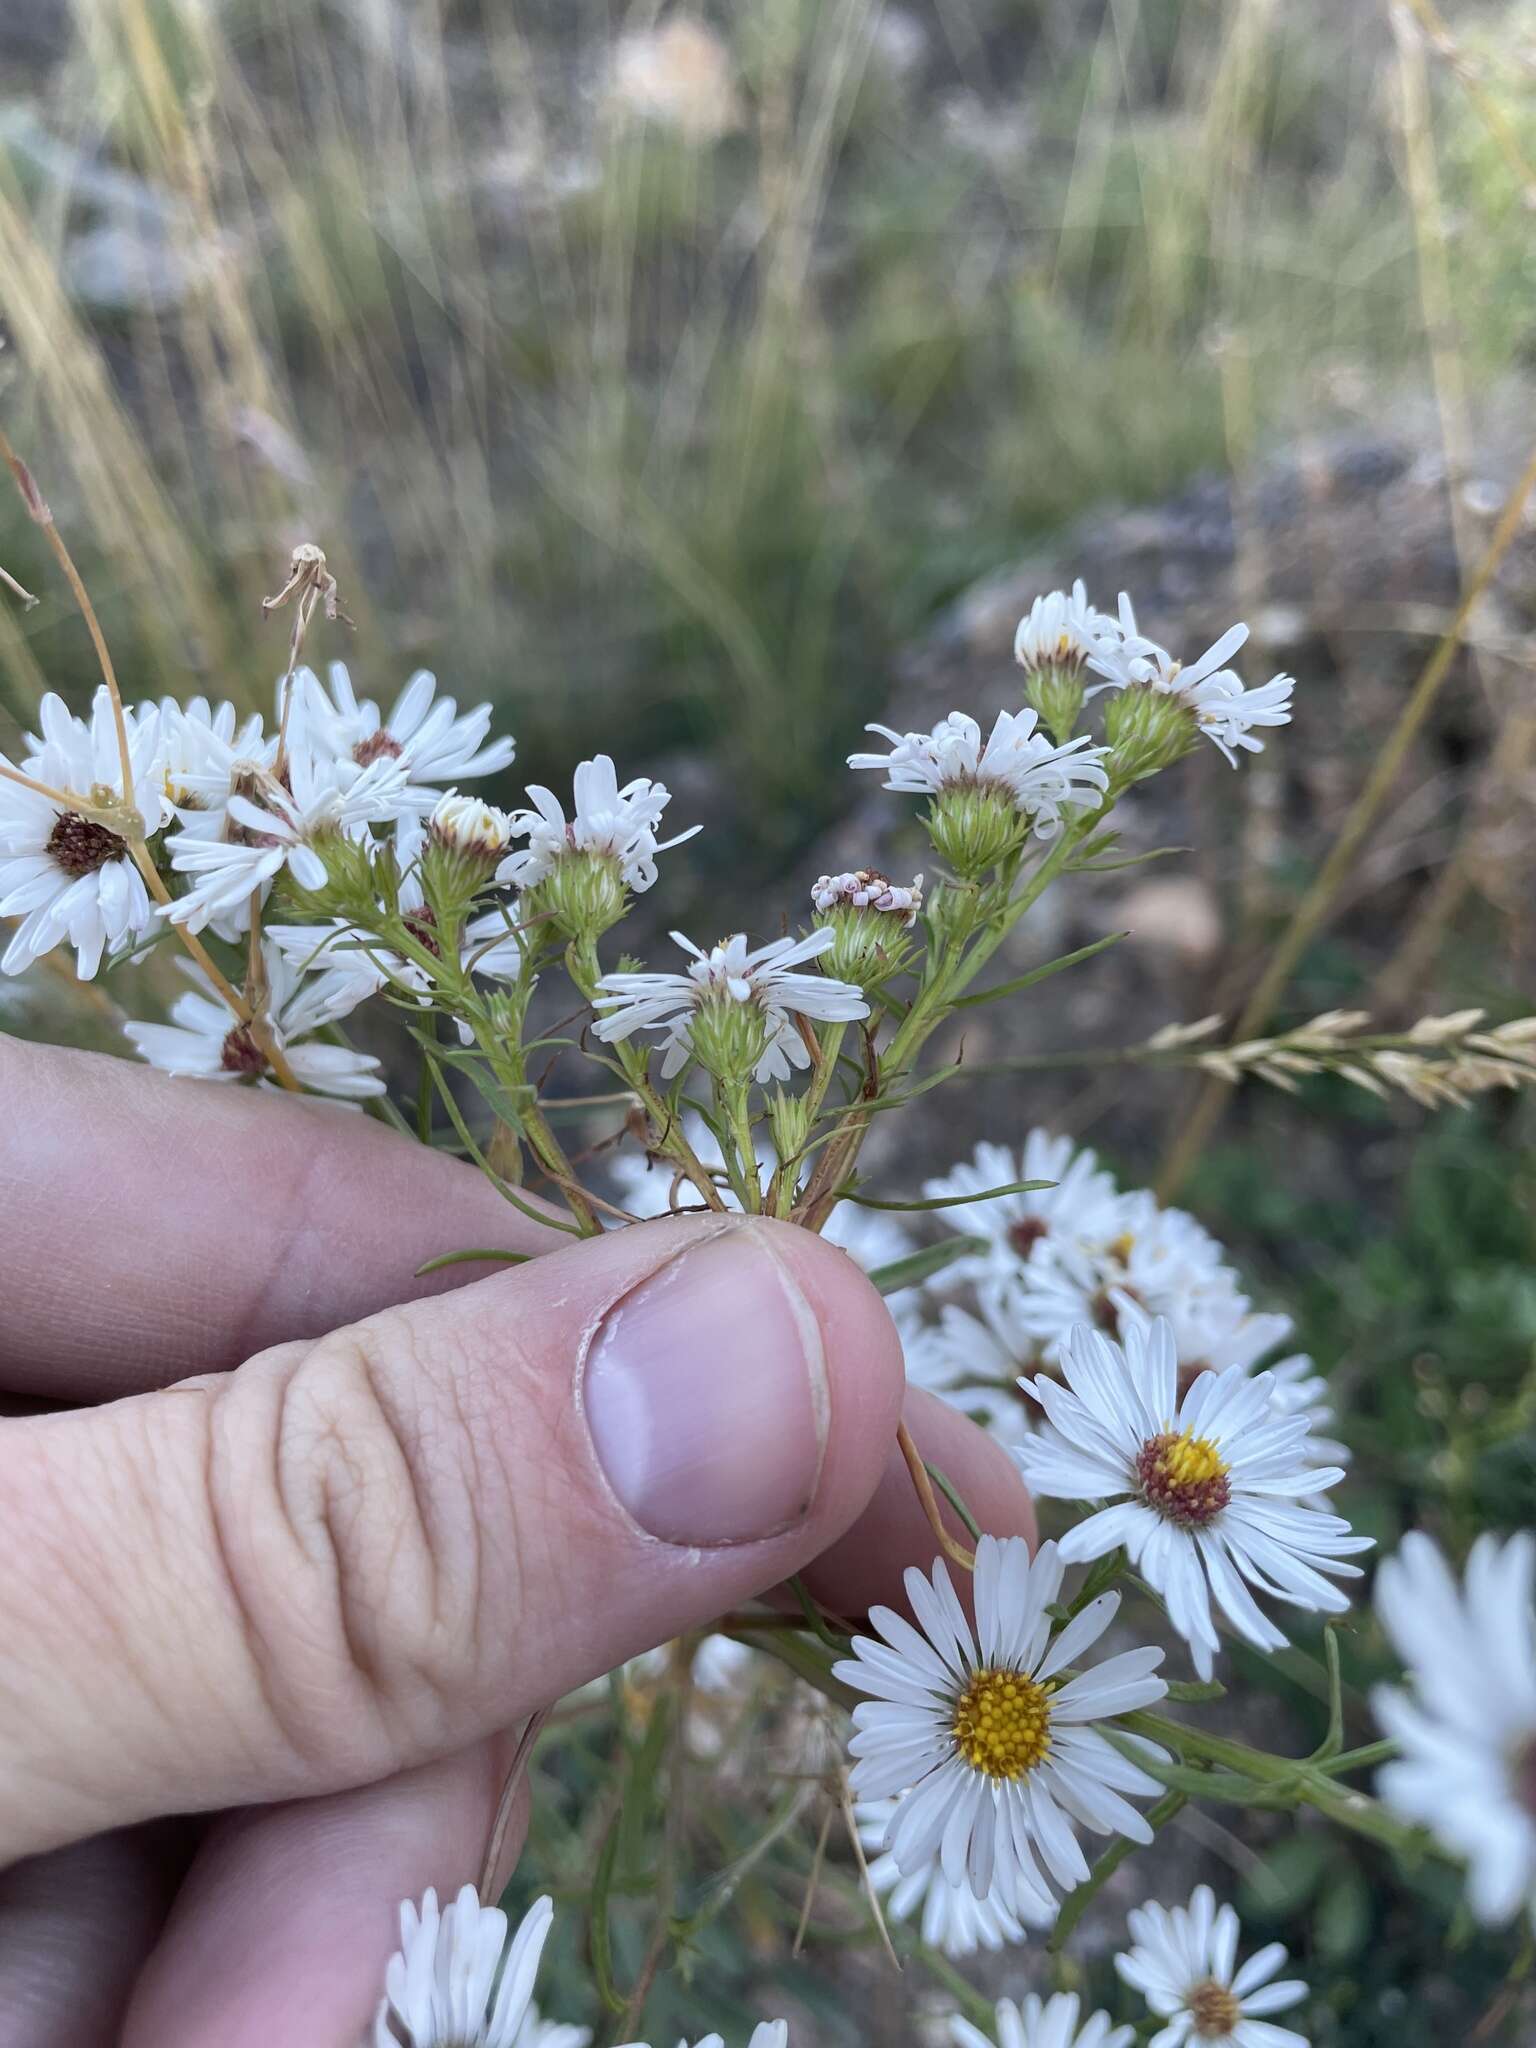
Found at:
(154, 1228)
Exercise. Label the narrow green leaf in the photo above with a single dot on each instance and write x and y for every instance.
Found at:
(1012, 1187)
(1333, 1741)
(503, 1187)
(895, 1099)
(839, 1645)
(471, 1259)
(1132, 860)
(807, 1659)
(951, 1493)
(917, 1267)
(1037, 974)
(600, 1939)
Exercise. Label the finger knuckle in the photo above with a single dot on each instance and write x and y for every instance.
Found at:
(353, 1543)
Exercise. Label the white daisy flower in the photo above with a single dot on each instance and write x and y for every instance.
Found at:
(70, 878)
(1044, 2023)
(198, 744)
(205, 1042)
(1044, 783)
(762, 984)
(1467, 1730)
(1160, 1261)
(1214, 1331)
(1071, 1220)
(1223, 709)
(1228, 713)
(266, 826)
(1183, 1964)
(992, 1745)
(1165, 1257)
(423, 732)
(438, 1985)
(1061, 630)
(1208, 1489)
(613, 823)
(950, 1916)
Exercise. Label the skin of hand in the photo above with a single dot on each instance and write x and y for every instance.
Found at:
(293, 1542)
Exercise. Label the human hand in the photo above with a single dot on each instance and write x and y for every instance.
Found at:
(315, 1583)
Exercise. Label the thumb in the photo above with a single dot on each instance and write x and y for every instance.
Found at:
(351, 1556)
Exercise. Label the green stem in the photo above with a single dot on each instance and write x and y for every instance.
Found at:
(953, 973)
(743, 1167)
(1306, 1783)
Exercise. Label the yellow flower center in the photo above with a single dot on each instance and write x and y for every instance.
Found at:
(1214, 2010)
(1002, 1723)
(1182, 1475)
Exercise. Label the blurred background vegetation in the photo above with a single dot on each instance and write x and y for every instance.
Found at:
(683, 379)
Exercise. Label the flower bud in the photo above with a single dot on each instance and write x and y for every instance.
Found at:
(471, 828)
(870, 916)
(789, 1119)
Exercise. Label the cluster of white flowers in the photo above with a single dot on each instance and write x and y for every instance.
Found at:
(1060, 637)
(239, 807)
(114, 825)
(868, 889)
(457, 1982)
(1079, 1252)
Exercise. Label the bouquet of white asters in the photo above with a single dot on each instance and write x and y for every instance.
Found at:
(1002, 1762)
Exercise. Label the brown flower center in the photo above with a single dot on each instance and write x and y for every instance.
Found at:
(1183, 1477)
(241, 1054)
(378, 746)
(1024, 1235)
(1002, 1723)
(79, 847)
(1214, 2010)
